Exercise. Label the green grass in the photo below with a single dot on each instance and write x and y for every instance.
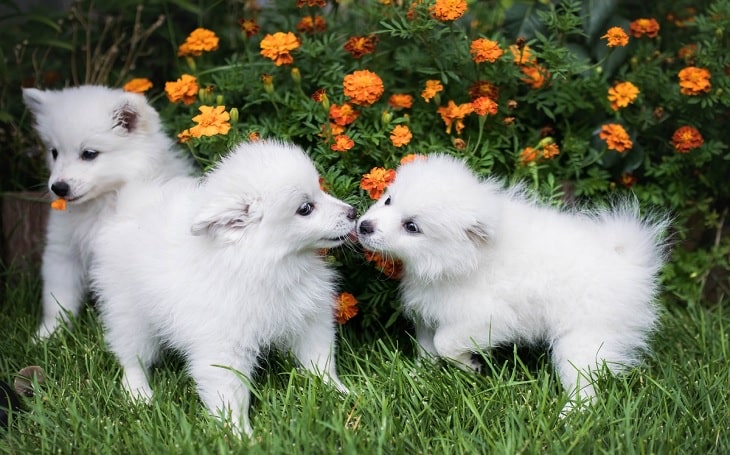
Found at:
(676, 403)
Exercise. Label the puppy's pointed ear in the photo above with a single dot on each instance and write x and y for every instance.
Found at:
(132, 114)
(34, 99)
(225, 220)
(480, 233)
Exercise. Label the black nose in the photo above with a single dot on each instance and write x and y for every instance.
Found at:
(352, 214)
(60, 188)
(366, 227)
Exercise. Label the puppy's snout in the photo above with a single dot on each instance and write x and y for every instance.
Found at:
(366, 227)
(60, 188)
(352, 214)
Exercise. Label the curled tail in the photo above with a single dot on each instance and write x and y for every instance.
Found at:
(642, 238)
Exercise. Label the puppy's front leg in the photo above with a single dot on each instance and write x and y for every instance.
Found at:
(424, 337)
(222, 380)
(314, 348)
(64, 281)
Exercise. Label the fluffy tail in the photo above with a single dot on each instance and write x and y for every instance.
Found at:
(642, 238)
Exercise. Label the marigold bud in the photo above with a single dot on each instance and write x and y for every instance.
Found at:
(268, 81)
(386, 117)
(296, 75)
(233, 113)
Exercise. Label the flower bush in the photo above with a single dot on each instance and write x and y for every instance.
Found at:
(585, 101)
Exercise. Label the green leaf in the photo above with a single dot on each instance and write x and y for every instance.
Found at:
(522, 20)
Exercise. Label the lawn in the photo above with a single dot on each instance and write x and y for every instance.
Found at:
(676, 403)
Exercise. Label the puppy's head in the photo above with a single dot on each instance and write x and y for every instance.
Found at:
(268, 192)
(437, 217)
(96, 138)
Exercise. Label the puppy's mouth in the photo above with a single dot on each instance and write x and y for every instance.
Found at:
(350, 236)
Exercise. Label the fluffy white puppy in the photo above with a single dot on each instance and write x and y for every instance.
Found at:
(484, 266)
(221, 269)
(97, 140)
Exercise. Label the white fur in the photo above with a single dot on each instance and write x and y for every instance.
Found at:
(126, 132)
(491, 266)
(222, 269)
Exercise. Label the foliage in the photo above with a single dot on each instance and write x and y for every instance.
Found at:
(552, 92)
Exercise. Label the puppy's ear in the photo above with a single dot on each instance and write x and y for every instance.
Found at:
(225, 220)
(34, 99)
(480, 233)
(125, 118)
(133, 114)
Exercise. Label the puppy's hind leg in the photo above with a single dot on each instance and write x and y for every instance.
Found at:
(314, 348)
(456, 345)
(64, 283)
(576, 358)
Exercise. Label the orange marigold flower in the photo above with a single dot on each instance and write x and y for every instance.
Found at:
(342, 143)
(184, 89)
(433, 87)
(447, 10)
(550, 150)
(694, 81)
(485, 50)
(622, 94)
(616, 37)
(319, 95)
(392, 268)
(249, 27)
(360, 45)
(483, 88)
(687, 52)
(400, 136)
(485, 106)
(184, 136)
(343, 115)
(335, 129)
(59, 204)
(138, 85)
(200, 40)
(535, 75)
(687, 138)
(211, 121)
(363, 87)
(346, 307)
(528, 155)
(311, 24)
(628, 180)
(311, 3)
(277, 47)
(616, 137)
(641, 27)
(376, 181)
(522, 54)
(412, 157)
(400, 101)
(454, 114)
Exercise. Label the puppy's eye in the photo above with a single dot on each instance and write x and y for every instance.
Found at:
(88, 155)
(387, 201)
(305, 209)
(54, 154)
(411, 227)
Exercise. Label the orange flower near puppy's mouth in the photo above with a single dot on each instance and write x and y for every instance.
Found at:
(59, 204)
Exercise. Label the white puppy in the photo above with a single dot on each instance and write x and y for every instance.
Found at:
(220, 270)
(485, 266)
(97, 140)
